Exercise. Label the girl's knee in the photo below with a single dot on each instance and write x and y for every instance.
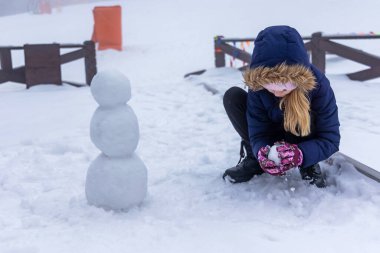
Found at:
(234, 94)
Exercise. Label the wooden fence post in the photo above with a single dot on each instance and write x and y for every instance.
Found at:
(318, 55)
(42, 64)
(89, 60)
(220, 60)
(6, 59)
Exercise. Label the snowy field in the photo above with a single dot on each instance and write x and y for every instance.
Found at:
(186, 139)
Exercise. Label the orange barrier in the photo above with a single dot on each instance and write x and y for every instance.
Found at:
(107, 27)
(45, 7)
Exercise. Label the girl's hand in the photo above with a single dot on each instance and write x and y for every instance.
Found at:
(291, 156)
(268, 165)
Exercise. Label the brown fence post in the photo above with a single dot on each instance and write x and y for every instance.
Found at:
(42, 64)
(318, 55)
(89, 60)
(6, 59)
(220, 60)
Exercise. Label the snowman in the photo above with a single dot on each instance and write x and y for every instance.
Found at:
(117, 178)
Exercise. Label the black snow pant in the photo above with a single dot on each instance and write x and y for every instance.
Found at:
(235, 104)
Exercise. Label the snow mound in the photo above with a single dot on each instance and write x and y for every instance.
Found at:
(116, 183)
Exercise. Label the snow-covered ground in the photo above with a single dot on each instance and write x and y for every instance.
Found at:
(186, 139)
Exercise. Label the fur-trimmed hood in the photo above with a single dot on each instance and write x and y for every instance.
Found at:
(279, 44)
(299, 75)
(280, 56)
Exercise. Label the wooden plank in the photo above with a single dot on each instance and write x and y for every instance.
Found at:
(72, 56)
(362, 168)
(308, 46)
(44, 55)
(71, 45)
(42, 64)
(18, 75)
(251, 39)
(351, 37)
(15, 75)
(332, 37)
(6, 59)
(90, 60)
(199, 72)
(237, 39)
(243, 68)
(365, 75)
(318, 54)
(12, 48)
(350, 53)
(235, 52)
(75, 84)
(219, 56)
(4, 76)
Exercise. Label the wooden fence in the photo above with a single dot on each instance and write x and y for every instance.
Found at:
(318, 46)
(43, 63)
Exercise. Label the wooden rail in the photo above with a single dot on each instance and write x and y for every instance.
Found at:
(318, 45)
(362, 168)
(43, 63)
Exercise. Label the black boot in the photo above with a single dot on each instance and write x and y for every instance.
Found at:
(246, 168)
(314, 175)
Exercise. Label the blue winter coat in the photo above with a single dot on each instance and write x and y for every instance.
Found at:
(283, 44)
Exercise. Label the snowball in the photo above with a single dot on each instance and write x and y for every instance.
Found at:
(273, 155)
(110, 88)
(116, 183)
(115, 131)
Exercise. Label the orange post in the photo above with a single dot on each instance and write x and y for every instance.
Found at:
(45, 7)
(107, 27)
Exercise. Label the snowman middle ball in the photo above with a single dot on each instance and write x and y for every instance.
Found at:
(115, 130)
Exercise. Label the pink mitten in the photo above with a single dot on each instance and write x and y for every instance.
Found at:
(291, 156)
(268, 165)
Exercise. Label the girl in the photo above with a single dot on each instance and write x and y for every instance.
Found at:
(289, 104)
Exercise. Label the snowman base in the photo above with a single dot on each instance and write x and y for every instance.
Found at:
(116, 183)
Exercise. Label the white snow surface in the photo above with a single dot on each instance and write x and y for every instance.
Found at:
(186, 138)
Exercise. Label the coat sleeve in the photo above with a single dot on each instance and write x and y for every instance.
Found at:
(327, 137)
(261, 129)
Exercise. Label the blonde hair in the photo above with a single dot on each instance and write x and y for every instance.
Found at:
(296, 106)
